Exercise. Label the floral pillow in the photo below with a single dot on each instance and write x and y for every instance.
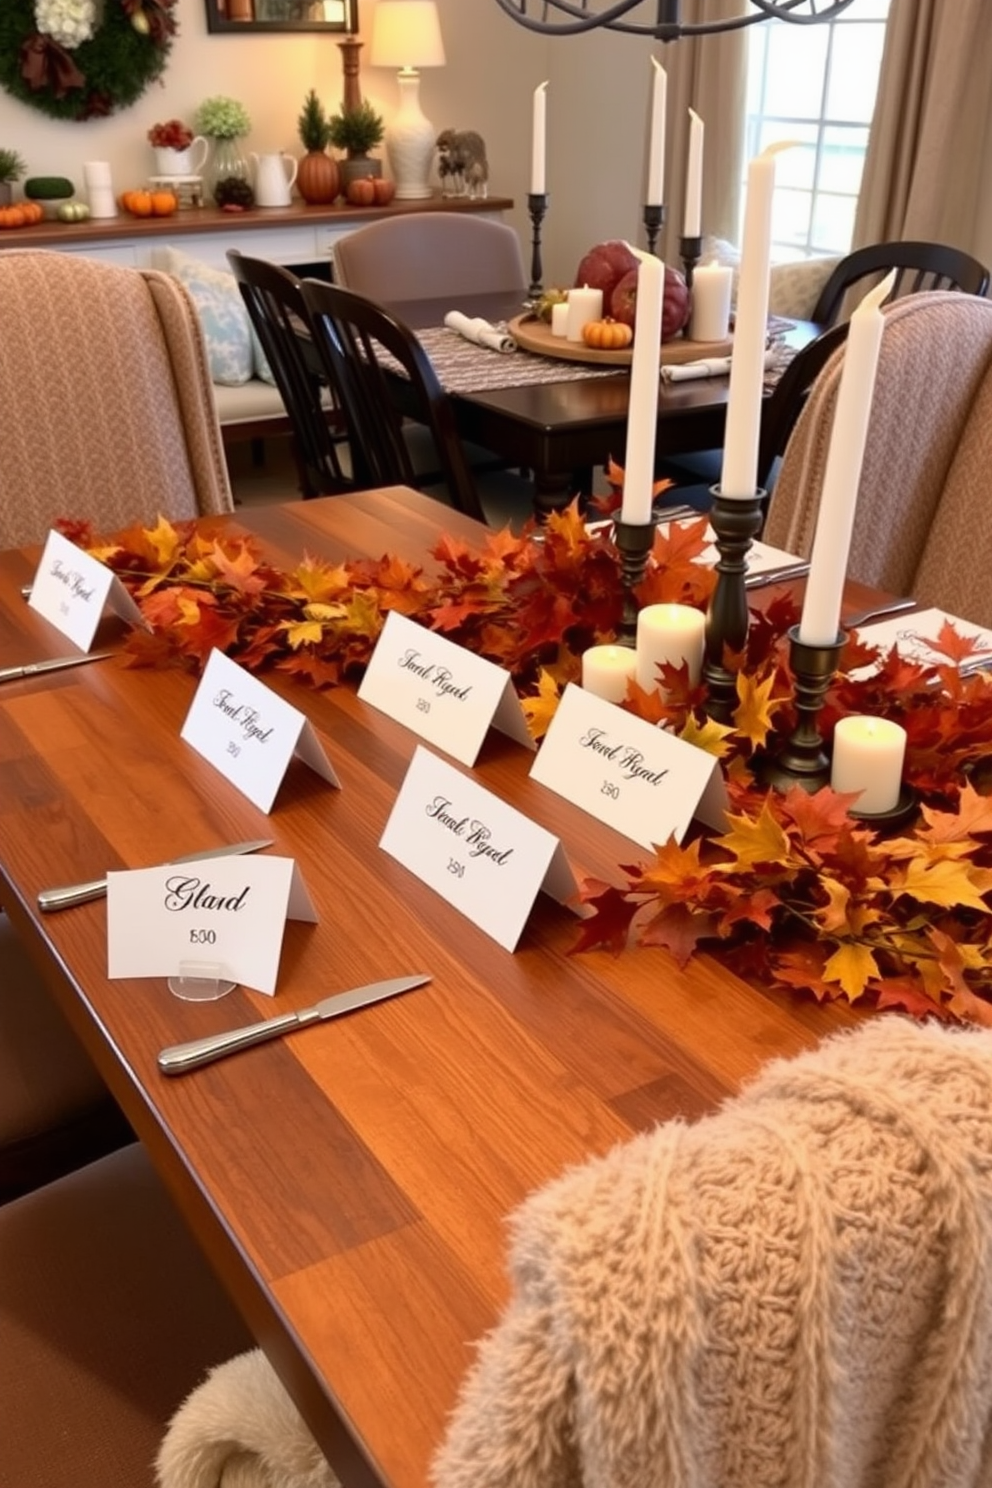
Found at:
(233, 349)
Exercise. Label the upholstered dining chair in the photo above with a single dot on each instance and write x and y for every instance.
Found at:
(429, 256)
(922, 524)
(107, 1310)
(106, 403)
(796, 1290)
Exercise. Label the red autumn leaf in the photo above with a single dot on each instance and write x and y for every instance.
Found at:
(955, 646)
(211, 632)
(755, 908)
(801, 966)
(609, 927)
(316, 671)
(679, 929)
(908, 995)
(819, 816)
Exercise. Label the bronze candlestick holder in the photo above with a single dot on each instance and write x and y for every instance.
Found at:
(690, 252)
(803, 759)
(654, 220)
(634, 542)
(735, 522)
(537, 205)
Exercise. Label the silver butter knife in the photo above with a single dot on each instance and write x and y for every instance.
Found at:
(82, 893)
(55, 664)
(179, 1058)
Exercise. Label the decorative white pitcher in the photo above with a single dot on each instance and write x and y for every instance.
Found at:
(272, 183)
(188, 162)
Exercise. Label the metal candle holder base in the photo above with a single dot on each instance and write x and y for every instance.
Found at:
(654, 221)
(537, 205)
(634, 542)
(803, 760)
(735, 521)
(690, 252)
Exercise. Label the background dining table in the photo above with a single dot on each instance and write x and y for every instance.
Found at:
(561, 428)
(350, 1183)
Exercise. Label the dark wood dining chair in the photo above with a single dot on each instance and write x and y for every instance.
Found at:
(919, 266)
(275, 304)
(350, 334)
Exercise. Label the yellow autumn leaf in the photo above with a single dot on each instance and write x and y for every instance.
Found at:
(753, 714)
(325, 612)
(304, 633)
(189, 610)
(540, 710)
(950, 884)
(753, 840)
(853, 967)
(363, 615)
(104, 553)
(711, 736)
(319, 581)
(165, 540)
(839, 915)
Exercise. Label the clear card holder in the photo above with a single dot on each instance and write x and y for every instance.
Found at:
(201, 981)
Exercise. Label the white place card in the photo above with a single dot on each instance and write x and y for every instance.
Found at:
(638, 779)
(911, 633)
(447, 695)
(224, 913)
(71, 589)
(483, 857)
(249, 733)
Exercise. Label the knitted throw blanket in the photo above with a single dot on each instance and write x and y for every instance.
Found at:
(794, 1293)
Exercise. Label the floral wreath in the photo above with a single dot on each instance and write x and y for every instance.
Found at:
(83, 59)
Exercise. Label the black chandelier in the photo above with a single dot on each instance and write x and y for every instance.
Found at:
(564, 18)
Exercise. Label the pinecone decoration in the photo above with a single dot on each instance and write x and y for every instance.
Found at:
(234, 191)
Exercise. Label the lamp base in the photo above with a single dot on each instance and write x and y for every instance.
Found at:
(409, 140)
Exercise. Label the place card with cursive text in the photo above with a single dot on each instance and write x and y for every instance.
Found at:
(226, 915)
(249, 733)
(71, 589)
(447, 695)
(639, 779)
(486, 859)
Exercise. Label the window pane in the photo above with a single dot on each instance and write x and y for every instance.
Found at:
(854, 65)
(796, 167)
(842, 160)
(791, 218)
(833, 223)
(796, 60)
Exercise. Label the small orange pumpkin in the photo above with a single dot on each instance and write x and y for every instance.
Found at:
(164, 203)
(607, 335)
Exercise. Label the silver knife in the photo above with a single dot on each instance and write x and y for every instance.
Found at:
(776, 575)
(82, 893)
(34, 668)
(179, 1058)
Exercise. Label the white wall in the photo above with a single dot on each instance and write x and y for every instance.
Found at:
(597, 109)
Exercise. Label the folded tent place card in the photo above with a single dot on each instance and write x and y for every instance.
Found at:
(248, 733)
(634, 777)
(226, 913)
(71, 589)
(447, 695)
(482, 856)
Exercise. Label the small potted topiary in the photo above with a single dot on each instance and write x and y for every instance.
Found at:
(51, 191)
(357, 131)
(12, 168)
(318, 179)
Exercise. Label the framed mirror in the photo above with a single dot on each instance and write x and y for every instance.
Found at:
(282, 15)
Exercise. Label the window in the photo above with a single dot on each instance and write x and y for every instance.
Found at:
(815, 85)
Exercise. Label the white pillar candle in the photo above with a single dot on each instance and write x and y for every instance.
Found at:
(711, 289)
(606, 671)
(655, 193)
(694, 178)
(584, 305)
(559, 319)
(642, 405)
(669, 633)
(538, 140)
(820, 621)
(868, 757)
(739, 476)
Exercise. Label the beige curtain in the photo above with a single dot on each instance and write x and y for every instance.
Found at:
(927, 169)
(709, 74)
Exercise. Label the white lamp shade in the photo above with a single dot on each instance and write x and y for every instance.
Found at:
(406, 33)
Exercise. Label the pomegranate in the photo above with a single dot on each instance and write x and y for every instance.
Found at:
(676, 302)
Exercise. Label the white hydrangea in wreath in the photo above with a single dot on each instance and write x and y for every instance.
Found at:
(69, 22)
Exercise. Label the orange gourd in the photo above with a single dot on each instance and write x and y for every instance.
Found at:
(164, 203)
(607, 335)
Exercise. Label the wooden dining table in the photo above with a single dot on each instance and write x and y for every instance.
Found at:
(350, 1183)
(560, 430)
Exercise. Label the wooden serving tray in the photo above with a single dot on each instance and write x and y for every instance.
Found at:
(535, 335)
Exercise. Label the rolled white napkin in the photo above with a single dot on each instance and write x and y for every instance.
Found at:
(705, 367)
(480, 331)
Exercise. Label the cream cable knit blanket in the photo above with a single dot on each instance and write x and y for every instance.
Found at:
(793, 1293)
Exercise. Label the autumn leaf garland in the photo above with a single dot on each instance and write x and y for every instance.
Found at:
(796, 893)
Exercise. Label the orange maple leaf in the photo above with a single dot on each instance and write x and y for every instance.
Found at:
(753, 840)
(241, 570)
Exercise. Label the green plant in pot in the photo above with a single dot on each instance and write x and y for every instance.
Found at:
(227, 174)
(357, 131)
(318, 179)
(12, 168)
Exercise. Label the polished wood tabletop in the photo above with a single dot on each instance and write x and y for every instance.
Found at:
(560, 430)
(350, 1183)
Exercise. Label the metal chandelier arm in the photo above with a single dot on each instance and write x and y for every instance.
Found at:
(565, 18)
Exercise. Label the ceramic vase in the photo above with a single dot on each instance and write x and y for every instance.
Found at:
(318, 179)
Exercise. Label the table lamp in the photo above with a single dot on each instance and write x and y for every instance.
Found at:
(407, 34)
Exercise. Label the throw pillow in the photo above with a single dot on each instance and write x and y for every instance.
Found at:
(233, 349)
